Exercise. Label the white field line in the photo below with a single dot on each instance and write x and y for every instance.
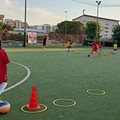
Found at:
(23, 80)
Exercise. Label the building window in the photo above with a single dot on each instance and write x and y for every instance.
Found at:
(42, 27)
(114, 26)
(106, 24)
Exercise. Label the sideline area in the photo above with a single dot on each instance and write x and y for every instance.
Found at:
(40, 49)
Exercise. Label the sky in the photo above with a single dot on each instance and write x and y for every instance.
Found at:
(53, 11)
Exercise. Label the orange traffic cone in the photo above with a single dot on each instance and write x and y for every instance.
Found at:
(111, 53)
(33, 105)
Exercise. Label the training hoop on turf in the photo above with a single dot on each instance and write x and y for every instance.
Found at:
(63, 99)
(77, 52)
(95, 92)
(34, 111)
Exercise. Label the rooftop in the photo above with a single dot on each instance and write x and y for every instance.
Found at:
(96, 18)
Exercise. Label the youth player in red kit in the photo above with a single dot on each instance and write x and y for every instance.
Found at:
(100, 46)
(4, 60)
(95, 48)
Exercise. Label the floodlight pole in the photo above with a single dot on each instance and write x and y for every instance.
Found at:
(66, 26)
(24, 42)
(98, 3)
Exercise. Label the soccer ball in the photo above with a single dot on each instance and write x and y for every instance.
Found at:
(4, 107)
(88, 55)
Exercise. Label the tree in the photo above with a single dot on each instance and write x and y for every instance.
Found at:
(4, 30)
(116, 33)
(73, 27)
(1, 26)
(90, 29)
(5, 34)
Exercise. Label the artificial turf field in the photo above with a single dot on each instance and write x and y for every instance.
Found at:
(58, 74)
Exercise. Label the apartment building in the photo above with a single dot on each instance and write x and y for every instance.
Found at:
(53, 28)
(9, 22)
(15, 23)
(106, 24)
(49, 28)
(46, 28)
(19, 26)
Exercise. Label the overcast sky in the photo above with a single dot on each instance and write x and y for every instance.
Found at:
(53, 11)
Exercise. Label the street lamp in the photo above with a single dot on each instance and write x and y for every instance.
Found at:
(24, 42)
(83, 11)
(66, 25)
(98, 3)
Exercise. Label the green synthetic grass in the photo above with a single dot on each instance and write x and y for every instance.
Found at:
(59, 74)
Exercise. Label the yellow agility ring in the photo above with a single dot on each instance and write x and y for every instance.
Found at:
(42, 109)
(77, 52)
(95, 92)
(72, 102)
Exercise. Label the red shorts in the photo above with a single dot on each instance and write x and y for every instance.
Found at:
(69, 46)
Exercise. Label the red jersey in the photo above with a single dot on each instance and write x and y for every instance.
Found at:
(95, 46)
(100, 45)
(4, 60)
